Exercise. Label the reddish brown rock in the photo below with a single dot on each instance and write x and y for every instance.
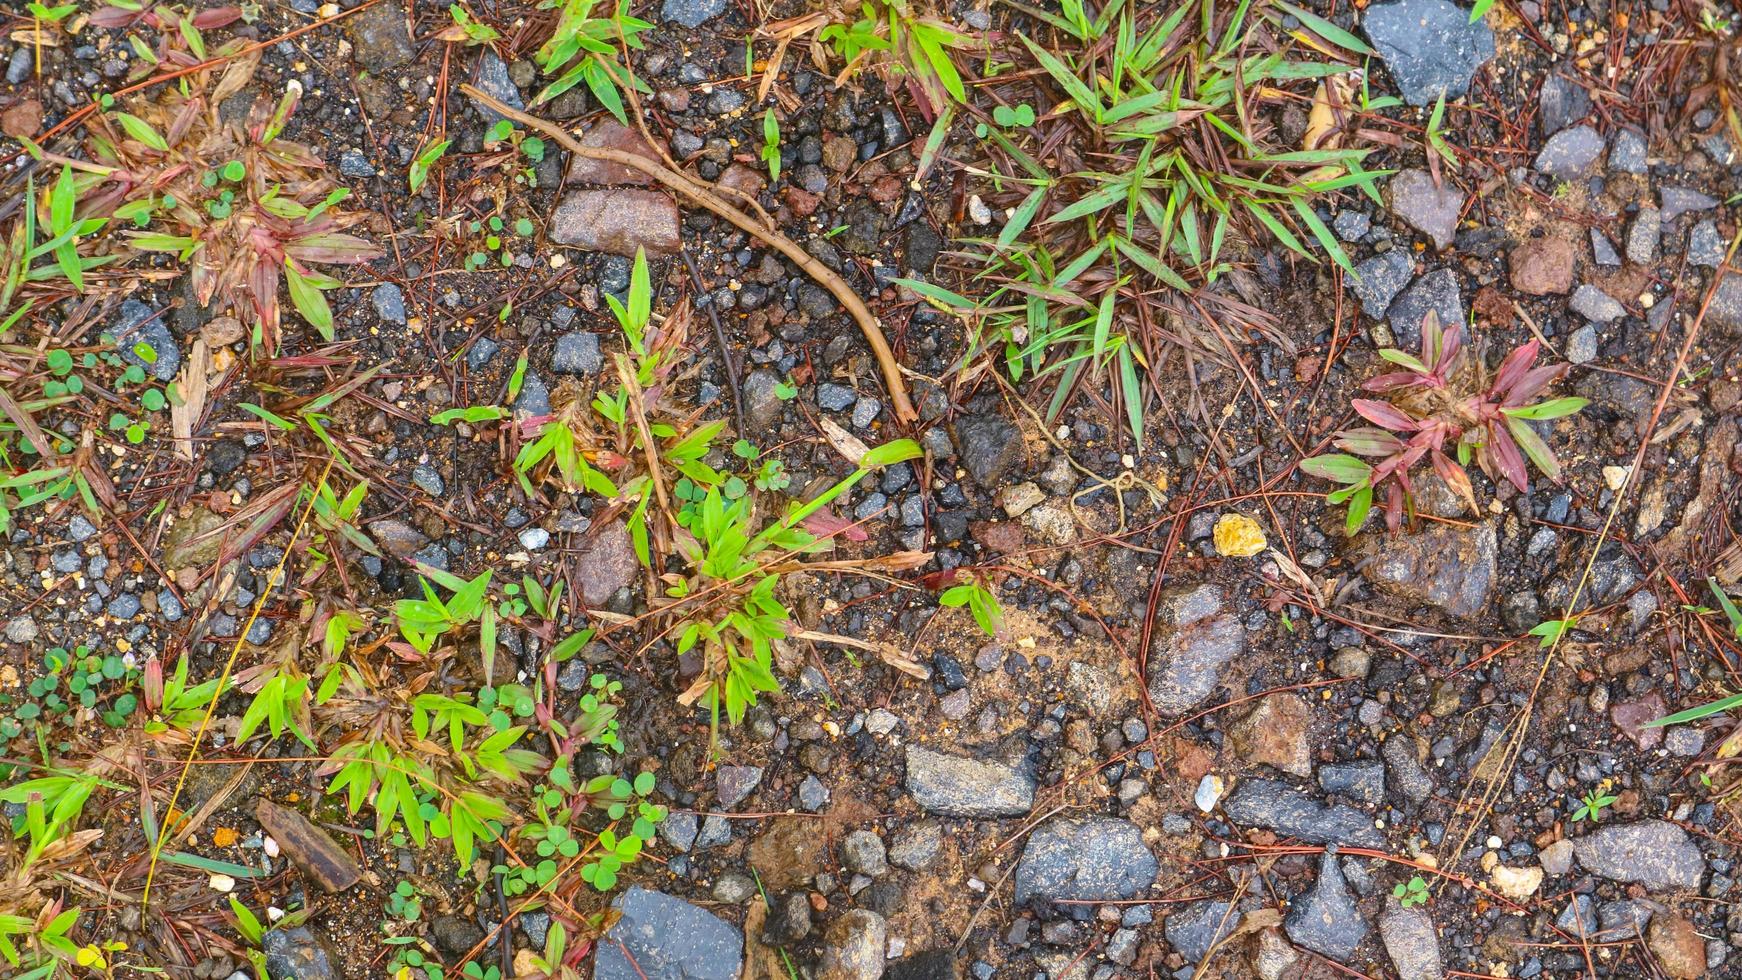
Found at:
(1275, 734)
(1542, 266)
(1631, 716)
(611, 135)
(1678, 946)
(617, 221)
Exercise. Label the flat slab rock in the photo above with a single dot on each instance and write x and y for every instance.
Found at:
(957, 786)
(1288, 811)
(1654, 853)
(664, 938)
(1429, 46)
(1325, 919)
(1198, 640)
(618, 221)
(1094, 859)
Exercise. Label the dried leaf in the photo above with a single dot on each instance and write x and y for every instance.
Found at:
(192, 386)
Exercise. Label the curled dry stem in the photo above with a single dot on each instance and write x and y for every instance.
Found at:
(697, 194)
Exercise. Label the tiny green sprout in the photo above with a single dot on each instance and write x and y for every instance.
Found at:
(523, 226)
(152, 400)
(492, 242)
(495, 222)
(980, 601)
(1591, 807)
(1414, 892)
(771, 144)
(1551, 631)
(785, 390)
(744, 449)
(533, 147)
(500, 131)
(234, 171)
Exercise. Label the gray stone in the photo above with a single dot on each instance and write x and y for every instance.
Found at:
(832, 397)
(140, 326)
(534, 538)
(1352, 226)
(1725, 311)
(396, 537)
(454, 934)
(734, 888)
(1557, 858)
(618, 220)
(1654, 853)
(1603, 250)
(1582, 345)
(762, 404)
(1677, 201)
(426, 478)
(389, 302)
(1379, 279)
(1080, 860)
(80, 529)
(1411, 942)
(916, 846)
(734, 783)
(1685, 741)
(691, 13)
(1431, 210)
(21, 629)
(862, 851)
(1593, 304)
(1429, 46)
(298, 953)
(1292, 813)
(577, 353)
(19, 68)
(1325, 919)
(989, 446)
(1579, 918)
(1196, 642)
(1627, 152)
(607, 563)
(1438, 291)
(380, 37)
(1570, 153)
(534, 398)
(955, 786)
(1407, 772)
(812, 794)
(1561, 101)
(1362, 781)
(1194, 930)
(679, 830)
(352, 163)
(1642, 236)
(659, 937)
(494, 81)
(124, 606)
(1705, 245)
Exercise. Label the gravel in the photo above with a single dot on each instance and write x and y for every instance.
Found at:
(1325, 919)
(1094, 859)
(1429, 47)
(1654, 853)
(577, 353)
(1292, 813)
(1570, 153)
(1431, 210)
(389, 302)
(955, 786)
(659, 937)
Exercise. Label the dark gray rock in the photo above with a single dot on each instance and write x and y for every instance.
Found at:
(426, 478)
(481, 353)
(691, 13)
(577, 353)
(1677, 201)
(1579, 918)
(989, 447)
(762, 404)
(1654, 853)
(1411, 942)
(862, 851)
(1352, 226)
(664, 938)
(139, 325)
(389, 302)
(956, 786)
(1627, 152)
(1325, 919)
(1362, 781)
(455, 935)
(1643, 234)
(1429, 46)
(734, 783)
(1194, 930)
(1379, 280)
(1092, 859)
(352, 163)
(1570, 153)
(1431, 210)
(1196, 641)
(495, 82)
(1582, 345)
(916, 846)
(1725, 310)
(812, 794)
(1438, 291)
(1290, 812)
(1561, 101)
(1705, 245)
(299, 953)
(380, 37)
(534, 398)
(19, 68)
(679, 830)
(1407, 772)
(833, 397)
(1603, 250)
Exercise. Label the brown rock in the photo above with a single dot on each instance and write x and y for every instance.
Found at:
(611, 135)
(1443, 565)
(1631, 716)
(308, 847)
(1275, 734)
(1542, 266)
(1678, 947)
(743, 180)
(787, 854)
(1004, 537)
(617, 221)
(802, 202)
(839, 153)
(22, 118)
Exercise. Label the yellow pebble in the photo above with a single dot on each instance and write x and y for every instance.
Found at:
(1239, 536)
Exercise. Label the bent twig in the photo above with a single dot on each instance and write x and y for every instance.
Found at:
(690, 189)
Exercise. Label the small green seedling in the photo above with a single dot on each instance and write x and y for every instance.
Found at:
(980, 601)
(420, 167)
(1591, 807)
(1413, 892)
(771, 145)
(1008, 117)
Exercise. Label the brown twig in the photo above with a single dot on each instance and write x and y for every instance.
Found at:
(689, 189)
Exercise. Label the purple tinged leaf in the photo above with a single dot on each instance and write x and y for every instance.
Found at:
(1384, 414)
(1369, 442)
(1532, 384)
(1507, 458)
(1513, 369)
(1535, 448)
